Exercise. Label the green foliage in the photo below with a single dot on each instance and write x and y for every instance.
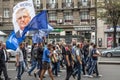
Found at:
(110, 10)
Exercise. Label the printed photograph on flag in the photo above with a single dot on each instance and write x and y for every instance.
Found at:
(23, 13)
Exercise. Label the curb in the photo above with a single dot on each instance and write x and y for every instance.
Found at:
(109, 62)
(100, 62)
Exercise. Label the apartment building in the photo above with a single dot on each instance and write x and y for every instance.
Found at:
(71, 19)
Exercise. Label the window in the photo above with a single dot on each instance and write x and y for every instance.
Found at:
(68, 16)
(68, 1)
(68, 32)
(51, 4)
(84, 2)
(37, 3)
(52, 1)
(6, 12)
(84, 15)
(52, 17)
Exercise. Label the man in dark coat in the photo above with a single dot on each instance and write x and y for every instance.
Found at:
(3, 60)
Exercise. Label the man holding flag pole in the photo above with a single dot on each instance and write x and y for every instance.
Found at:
(38, 22)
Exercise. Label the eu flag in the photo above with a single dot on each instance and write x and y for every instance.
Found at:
(13, 42)
(37, 23)
(38, 36)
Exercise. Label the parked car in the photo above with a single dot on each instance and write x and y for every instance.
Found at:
(111, 52)
(11, 53)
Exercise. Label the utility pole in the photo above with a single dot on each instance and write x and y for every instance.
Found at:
(96, 22)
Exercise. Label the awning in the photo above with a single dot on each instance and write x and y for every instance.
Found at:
(2, 33)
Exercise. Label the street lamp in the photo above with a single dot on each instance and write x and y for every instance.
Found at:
(96, 22)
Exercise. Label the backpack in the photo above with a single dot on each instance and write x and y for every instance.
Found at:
(40, 53)
(34, 52)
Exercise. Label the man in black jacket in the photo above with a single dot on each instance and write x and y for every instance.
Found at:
(39, 59)
(3, 60)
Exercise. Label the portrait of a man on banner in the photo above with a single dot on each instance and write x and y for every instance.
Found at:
(22, 14)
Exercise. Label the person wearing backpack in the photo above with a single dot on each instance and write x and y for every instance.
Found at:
(78, 62)
(33, 58)
(94, 55)
(69, 61)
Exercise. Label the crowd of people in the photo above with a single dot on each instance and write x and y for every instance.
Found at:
(77, 58)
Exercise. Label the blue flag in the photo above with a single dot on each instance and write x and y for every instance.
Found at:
(13, 42)
(38, 36)
(48, 30)
(37, 23)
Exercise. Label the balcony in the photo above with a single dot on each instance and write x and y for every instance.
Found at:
(84, 4)
(53, 22)
(68, 22)
(67, 5)
(52, 5)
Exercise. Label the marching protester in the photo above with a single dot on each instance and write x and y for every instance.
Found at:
(24, 51)
(33, 59)
(69, 61)
(94, 55)
(3, 60)
(55, 61)
(89, 62)
(39, 60)
(47, 53)
(20, 61)
(78, 62)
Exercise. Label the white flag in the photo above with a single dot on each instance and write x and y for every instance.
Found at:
(23, 12)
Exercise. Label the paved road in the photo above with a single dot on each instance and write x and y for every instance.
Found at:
(109, 72)
(100, 59)
(109, 59)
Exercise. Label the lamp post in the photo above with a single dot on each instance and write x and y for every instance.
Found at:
(96, 22)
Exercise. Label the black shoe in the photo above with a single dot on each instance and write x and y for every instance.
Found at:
(29, 74)
(8, 79)
(1, 78)
(35, 75)
(44, 77)
(73, 76)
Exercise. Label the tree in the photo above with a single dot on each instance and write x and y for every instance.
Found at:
(112, 8)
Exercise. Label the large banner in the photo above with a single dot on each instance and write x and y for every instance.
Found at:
(25, 20)
(23, 13)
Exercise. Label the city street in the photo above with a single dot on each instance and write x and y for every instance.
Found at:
(108, 72)
(101, 59)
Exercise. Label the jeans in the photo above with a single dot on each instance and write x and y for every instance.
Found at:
(39, 66)
(77, 70)
(69, 71)
(93, 67)
(55, 68)
(89, 64)
(20, 70)
(58, 65)
(33, 66)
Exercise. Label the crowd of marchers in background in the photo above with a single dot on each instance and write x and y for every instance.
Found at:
(77, 58)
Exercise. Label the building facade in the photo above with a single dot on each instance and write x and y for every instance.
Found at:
(71, 19)
(105, 30)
